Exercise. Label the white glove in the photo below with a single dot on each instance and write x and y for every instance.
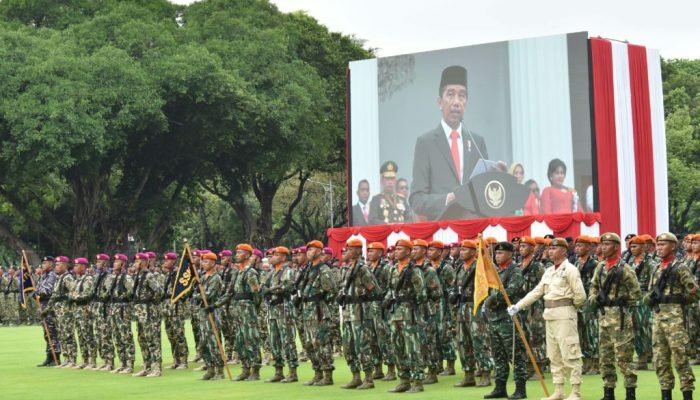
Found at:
(512, 310)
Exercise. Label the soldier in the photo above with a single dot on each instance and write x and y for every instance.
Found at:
(277, 292)
(228, 272)
(670, 287)
(60, 305)
(587, 318)
(44, 291)
(146, 296)
(327, 258)
(431, 309)
(359, 289)
(692, 310)
(212, 287)
(299, 276)
(389, 206)
(626, 255)
(532, 272)
(11, 305)
(263, 269)
(194, 308)
(174, 315)
(445, 328)
(241, 292)
(80, 296)
(102, 327)
(381, 270)
(613, 291)
(120, 285)
(501, 326)
(641, 314)
(406, 293)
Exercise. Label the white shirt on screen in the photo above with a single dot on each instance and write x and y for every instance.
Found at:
(460, 146)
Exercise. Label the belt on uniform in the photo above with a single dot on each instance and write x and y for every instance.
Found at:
(558, 303)
(243, 296)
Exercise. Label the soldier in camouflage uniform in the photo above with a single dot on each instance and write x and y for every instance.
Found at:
(241, 292)
(431, 310)
(44, 291)
(146, 297)
(587, 318)
(532, 272)
(381, 269)
(11, 297)
(81, 296)
(277, 291)
(193, 308)
(3, 309)
(174, 315)
(338, 338)
(59, 304)
(120, 286)
(99, 313)
(263, 270)
(406, 293)
(670, 287)
(692, 310)
(613, 291)
(445, 328)
(501, 325)
(213, 289)
(641, 314)
(228, 329)
(316, 298)
(299, 276)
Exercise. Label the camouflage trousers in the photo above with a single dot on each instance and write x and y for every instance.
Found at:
(148, 324)
(207, 346)
(616, 344)
(51, 325)
(228, 331)
(10, 308)
(506, 350)
(336, 334)
(359, 337)
(474, 342)
(66, 330)
(588, 332)
(692, 323)
(407, 350)
(430, 339)
(262, 327)
(446, 334)
(120, 315)
(194, 321)
(103, 331)
(641, 316)
(669, 339)
(318, 343)
(174, 321)
(246, 322)
(383, 345)
(537, 331)
(86, 332)
(283, 345)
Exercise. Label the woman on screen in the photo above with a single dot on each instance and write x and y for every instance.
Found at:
(532, 205)
(558, 198)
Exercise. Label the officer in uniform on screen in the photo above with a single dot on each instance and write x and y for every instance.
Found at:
(389, 207)
(445, 156)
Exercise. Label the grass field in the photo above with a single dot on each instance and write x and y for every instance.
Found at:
(21, 348)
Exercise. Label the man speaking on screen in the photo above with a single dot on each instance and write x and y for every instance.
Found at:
(445, 156)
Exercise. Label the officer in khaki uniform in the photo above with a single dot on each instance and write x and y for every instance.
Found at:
(614, 290)
(671, 286)
(563, 293)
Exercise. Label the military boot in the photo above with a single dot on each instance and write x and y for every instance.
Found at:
(378, 373)
(219, 374)
(642, 363)
(182, 364)
(209, 375)
(450, 369)
(254, 374)
(608, 394)
(467, 381)
(46, 362)
(245, 373)
(145, 371)
(666, 395)
(129, 368)
(369, 381)
(52, 363)
(390, 373)
(156, 371)
(318, 375)
(277, 377)
(291, 376)
(108, 366)
(484, 379)
(327, 379)
(355, 382)
(558, 392)
(520, 390)
(440, 367)
(575, 392)
(118, 370)
(687, 395)
(403, 386)
(593, 370)
(630, 393)
(92, 365)
(431, 377)
(498, 392)
(173, 365)
(416, 386)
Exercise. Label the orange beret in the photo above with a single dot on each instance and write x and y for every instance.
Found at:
(315, 243)
(696, 238)
(637, 240)
(420, 242)
(209, 256)
(647, 238)
(354, 242)
(469, 243)
(539, 240)
(437, 244)
(377, 245)
(528, 239)
(281, 249)
(404, 243)
(491, 240)
(547, 242)
(595, 239)
(245, 247)
(585, 239)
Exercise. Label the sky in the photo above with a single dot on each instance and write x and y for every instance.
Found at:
(399, 27)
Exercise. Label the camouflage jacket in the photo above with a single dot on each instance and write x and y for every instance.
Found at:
(62, 288)
(277, 291)
(513, 282)
(586, 270)
(680, 288)
(359, 289)
(120, 287)
(620, 283)
(147, 288)
(433, 289)
(643, 271)
(407, 291)
(244, 286)
(212, 286)
(317, 291)
(82, 291)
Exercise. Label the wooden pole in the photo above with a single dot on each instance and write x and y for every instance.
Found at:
(38, 303)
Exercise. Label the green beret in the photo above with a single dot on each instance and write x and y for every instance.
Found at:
(610, 237)
(504, 246)
(561, 242)
(667, 237)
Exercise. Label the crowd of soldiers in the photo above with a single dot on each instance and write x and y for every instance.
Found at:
(404, 312)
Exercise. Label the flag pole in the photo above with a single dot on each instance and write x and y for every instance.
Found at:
(38, 303)
(516, 321)
(211, 319)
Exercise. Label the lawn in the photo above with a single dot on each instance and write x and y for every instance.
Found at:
(21, 348)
